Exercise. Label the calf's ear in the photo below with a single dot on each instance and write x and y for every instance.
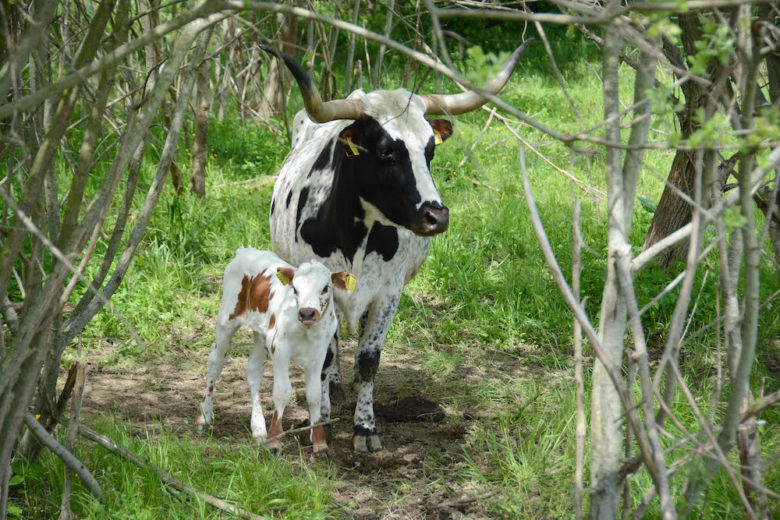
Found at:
(285, 274)
(344, 281)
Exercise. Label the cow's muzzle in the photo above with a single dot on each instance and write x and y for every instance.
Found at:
(433, 219)
(308, 316)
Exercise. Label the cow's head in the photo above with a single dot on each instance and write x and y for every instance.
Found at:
(312, 288)
(389, 146)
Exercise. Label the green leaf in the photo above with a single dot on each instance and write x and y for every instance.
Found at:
(649, 205)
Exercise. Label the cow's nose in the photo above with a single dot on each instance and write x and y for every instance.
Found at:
(308, 316)
(433, 220)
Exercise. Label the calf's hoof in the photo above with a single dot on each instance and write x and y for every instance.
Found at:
(275, 447)
(201, 424)
(322, 451)
(366, 443)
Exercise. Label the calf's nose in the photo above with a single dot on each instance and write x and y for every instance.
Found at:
(308, 315)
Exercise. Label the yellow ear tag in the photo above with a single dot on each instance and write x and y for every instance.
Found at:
(282, 278)
(350, 282)
(352, 148)
(437, 140)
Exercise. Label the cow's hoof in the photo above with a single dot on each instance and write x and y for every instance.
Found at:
(337, 396)
(366, 443)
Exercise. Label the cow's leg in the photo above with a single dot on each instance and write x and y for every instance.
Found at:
(373, 330)
(314, 396)
(216, 363)
(254, 374)
(281, 396)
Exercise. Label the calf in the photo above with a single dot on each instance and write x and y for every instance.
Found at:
(292, 315)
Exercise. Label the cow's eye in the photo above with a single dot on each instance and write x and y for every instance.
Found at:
(325, 290)
(387, 156)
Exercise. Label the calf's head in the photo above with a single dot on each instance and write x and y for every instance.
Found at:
(312, 287)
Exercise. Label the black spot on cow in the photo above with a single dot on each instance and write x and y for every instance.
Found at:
(326, 364)
(367, 363)
(429, 149)
(382, 240)
(273, 204)
(289, 198)
(302, 198)
(323, 160)
(363, 431)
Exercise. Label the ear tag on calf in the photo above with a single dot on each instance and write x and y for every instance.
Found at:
(350, 282)
(352, 148)
(282, 278)
(437, 140)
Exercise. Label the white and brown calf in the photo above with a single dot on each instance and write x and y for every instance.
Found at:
(291, 312)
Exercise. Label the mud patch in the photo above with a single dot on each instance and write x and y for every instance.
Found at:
(410, 409)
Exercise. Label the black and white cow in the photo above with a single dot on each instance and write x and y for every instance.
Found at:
(356, 193)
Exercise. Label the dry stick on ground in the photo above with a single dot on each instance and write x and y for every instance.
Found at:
(67, 457)
(166, 477)
(299, 430)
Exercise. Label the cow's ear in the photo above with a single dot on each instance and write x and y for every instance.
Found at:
(441, 128)
(346, 137)
(285, 275)
(344, 281)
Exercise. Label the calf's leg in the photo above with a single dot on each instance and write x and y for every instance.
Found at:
(254, 374)
(281, 397)
(314, 396)
(225, 331)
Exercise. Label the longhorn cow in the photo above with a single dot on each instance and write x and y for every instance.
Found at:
(356, 194)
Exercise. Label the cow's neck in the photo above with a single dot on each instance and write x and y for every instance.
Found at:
(339, 224)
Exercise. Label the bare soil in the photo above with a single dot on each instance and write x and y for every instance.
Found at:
(408, 478)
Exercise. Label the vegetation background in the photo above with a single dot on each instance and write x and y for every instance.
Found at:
(477, 398)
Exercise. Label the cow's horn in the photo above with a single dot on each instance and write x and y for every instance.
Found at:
(319, 111)
(452, 104)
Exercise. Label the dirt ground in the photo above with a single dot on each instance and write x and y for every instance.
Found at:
(406, 479)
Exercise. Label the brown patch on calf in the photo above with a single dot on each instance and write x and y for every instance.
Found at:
(276, 426)
(272, 321)
(254, 295)
(318, 437)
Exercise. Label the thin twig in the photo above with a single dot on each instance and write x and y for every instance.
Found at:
(60, 451)
(479, 137)
(299, 430)
(166, 477)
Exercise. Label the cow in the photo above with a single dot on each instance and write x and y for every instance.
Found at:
(293, 317)
(356, 193)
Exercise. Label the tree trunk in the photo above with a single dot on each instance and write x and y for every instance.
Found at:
(200, 149)
(673, 212)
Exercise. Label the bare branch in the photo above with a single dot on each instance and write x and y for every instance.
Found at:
(67, 457)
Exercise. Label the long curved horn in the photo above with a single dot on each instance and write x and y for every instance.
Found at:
(318, 111)
(453, 104)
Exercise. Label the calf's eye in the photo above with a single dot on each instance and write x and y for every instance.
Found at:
(325, 290)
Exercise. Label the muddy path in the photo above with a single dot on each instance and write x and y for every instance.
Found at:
(422, 436)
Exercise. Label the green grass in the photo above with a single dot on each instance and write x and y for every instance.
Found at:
(483, 324)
